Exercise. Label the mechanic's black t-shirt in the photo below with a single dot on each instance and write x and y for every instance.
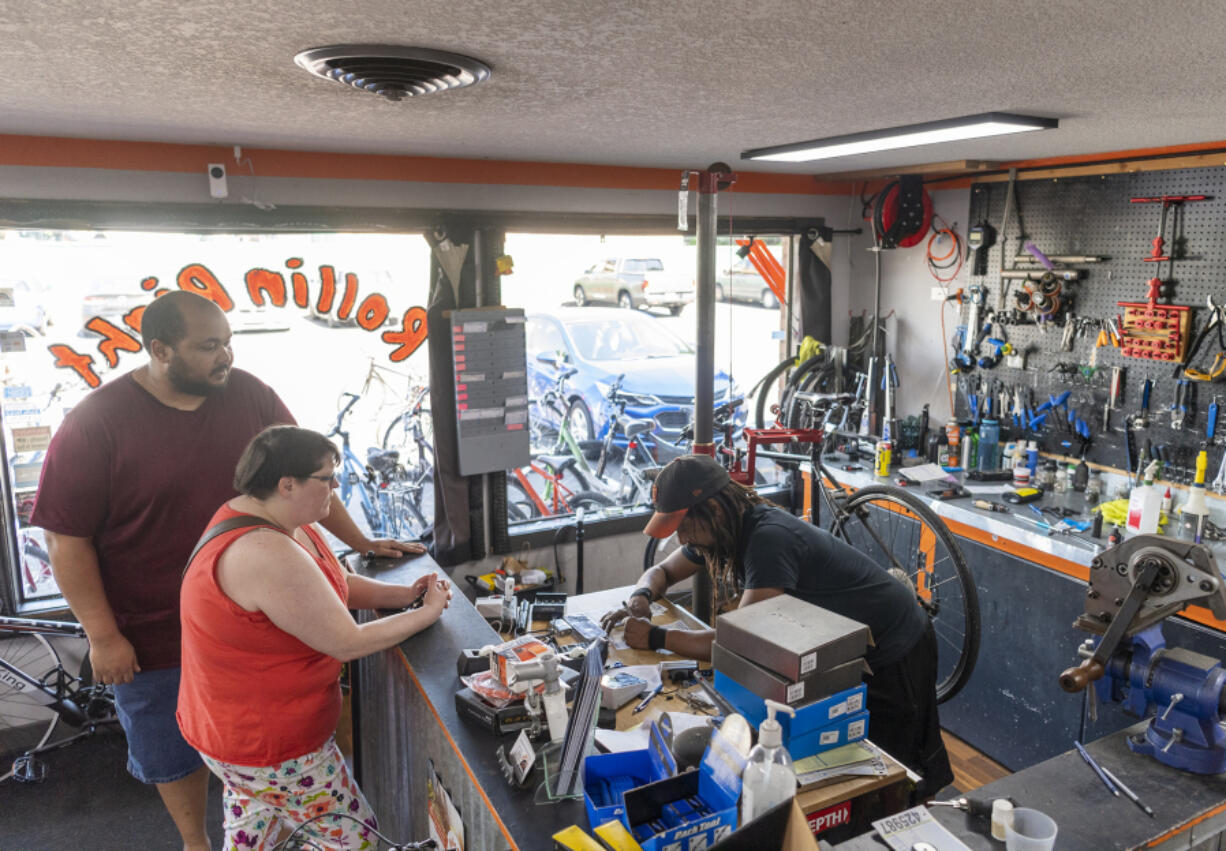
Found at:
(783, 551)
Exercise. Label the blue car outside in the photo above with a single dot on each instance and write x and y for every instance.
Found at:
(602, 343)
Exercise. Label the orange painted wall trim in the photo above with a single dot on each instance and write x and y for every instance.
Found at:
(1135, 154)
(57, 152)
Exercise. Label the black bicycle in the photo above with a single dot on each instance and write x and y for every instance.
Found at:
(37, 693)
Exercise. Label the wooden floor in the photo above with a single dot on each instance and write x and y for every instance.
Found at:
(971, 768)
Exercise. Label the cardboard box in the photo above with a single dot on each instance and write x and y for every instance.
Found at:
(767, 684)
(784, 827)
(522, 649)
(791, 637)
(818, 726)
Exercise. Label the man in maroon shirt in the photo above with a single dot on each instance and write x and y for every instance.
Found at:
(129, 483)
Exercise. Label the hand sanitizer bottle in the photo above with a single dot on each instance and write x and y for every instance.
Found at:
(768, 778)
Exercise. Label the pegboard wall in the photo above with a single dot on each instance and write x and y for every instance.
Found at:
(1093, 216)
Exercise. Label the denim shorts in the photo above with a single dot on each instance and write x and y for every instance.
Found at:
(157, 752)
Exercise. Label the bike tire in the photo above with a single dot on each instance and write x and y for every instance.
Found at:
(896, 528)
(519, 505)
(25, 725)
(589, 500)
(763, 388)
(658, 549)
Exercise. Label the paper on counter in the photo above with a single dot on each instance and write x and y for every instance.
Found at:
(925, 473)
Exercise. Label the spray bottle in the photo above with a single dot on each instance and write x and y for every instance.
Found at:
(768, 778)
(1195, 509)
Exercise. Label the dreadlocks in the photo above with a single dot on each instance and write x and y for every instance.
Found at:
(723, 514)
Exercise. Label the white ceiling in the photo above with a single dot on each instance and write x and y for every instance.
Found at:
(667, 84)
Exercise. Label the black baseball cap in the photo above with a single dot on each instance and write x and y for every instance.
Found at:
(682, 484)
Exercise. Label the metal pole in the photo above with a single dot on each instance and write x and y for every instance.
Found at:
(716, 176)
(704, 303)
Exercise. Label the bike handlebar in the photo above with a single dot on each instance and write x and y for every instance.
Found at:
(340, 417)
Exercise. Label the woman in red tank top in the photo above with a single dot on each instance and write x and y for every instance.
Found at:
(266, 626)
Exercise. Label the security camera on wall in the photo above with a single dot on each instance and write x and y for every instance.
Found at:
(217, 180)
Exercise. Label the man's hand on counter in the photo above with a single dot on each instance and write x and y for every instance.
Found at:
(390, 548)
(637, 606)
(637, 630)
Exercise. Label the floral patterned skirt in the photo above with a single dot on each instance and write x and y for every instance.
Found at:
(315, 790)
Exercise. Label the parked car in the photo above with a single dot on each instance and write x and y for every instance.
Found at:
(111, 300)
(744, 283)
(21, 309)
(602, 343)
(250, 317)
(634, 282)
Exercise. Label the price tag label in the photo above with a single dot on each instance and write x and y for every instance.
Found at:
(913, 827)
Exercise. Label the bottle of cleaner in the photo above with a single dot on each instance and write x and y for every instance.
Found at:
(1194, 510)
(1144, 504)
(768, 778)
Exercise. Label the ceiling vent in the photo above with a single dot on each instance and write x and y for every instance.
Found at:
(392, 71)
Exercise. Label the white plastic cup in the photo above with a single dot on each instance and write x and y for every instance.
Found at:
(1030, 830)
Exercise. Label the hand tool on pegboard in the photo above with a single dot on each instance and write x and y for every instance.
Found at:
(1152, 331)
(1157, 254)
(1213, 322)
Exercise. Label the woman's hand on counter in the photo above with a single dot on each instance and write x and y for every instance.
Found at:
(438, 593)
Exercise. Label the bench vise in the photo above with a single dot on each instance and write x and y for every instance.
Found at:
(1134, 586)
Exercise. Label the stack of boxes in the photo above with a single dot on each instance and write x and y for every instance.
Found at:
(800, 654)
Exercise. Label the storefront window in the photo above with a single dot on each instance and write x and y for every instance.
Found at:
(321, 318)
(610, 338)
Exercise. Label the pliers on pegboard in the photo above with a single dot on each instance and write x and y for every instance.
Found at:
(1213, 322)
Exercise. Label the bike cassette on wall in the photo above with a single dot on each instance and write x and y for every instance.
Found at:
(902, 214)
(1043, 299)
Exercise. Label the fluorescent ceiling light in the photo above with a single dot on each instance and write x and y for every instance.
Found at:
(912, 135)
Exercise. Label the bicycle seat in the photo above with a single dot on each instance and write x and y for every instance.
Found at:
(382, 460)
(634, 427)
(554, 462)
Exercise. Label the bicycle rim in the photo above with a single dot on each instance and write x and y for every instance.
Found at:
(898, 531)
(519, 505)
(24, 723)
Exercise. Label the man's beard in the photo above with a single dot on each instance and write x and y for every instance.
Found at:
(191, 386)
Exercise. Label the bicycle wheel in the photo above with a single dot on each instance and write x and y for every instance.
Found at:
(400, 435)
(900, 532)
(408, 518)
(589, 501)
(658, 549)
(25, 724)
(519, 505)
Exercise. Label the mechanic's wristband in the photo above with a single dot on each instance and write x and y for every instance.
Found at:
(656, 636)
(643, 592)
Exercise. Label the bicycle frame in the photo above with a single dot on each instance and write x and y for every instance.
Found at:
(556, 492)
